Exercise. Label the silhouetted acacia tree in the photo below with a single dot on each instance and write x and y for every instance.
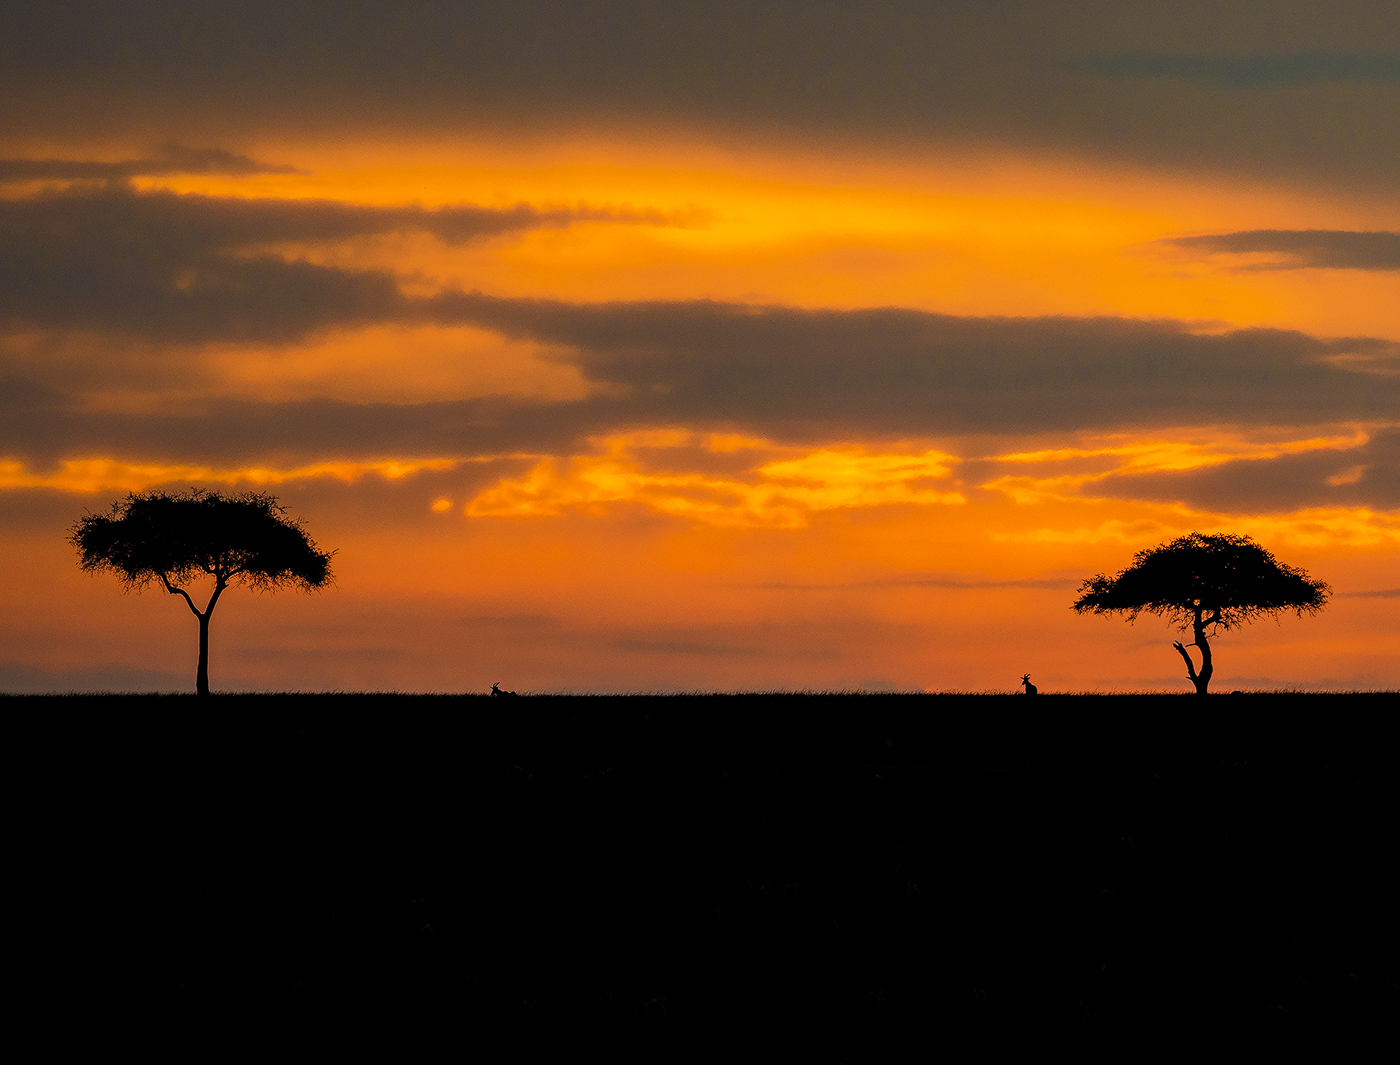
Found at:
(173, 539)
(1215, 582)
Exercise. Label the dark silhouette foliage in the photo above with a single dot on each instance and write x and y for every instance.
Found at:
(237, 539)
(1231, 578)
(1198, 581)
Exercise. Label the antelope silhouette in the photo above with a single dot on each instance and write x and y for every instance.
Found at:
(1031, 689)
(496, 689)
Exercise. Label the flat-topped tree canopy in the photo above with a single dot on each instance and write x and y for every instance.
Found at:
(176, 538)
(1217, 581)
(1220, 574)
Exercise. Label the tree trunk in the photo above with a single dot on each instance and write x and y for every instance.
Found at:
(1202, 679)
(201, 682)
(201, 679)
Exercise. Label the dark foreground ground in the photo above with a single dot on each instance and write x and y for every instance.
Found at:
(842, 877)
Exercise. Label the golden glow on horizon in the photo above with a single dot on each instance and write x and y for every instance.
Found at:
(786, 494)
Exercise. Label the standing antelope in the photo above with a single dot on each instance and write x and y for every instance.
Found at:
(1031, 689)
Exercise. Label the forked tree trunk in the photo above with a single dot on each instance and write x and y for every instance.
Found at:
(201, 678)
(1200, 679)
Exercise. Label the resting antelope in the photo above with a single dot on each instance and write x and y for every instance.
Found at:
(1031, 689)
(496, 689)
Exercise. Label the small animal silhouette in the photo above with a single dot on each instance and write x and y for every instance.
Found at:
(496, 689)
(1031, 689)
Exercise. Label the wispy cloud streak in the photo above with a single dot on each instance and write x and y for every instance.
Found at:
(1301, 248)
(173, 159)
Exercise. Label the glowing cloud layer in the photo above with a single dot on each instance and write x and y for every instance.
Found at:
(784, 493)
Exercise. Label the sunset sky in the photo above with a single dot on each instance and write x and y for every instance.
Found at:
(718, 346)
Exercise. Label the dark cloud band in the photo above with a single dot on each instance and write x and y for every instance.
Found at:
(173, 159)
(189, 269)
(889, 370)
(898, 72)
(788, 374)
(1302, 248)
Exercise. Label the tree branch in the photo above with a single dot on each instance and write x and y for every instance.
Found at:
(180, 591)
(1190, 666)
(219, 585)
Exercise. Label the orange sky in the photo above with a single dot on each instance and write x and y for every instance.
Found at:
(634, 410)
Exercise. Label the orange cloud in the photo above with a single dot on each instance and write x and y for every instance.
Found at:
(108, 475)
(1153, 456)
